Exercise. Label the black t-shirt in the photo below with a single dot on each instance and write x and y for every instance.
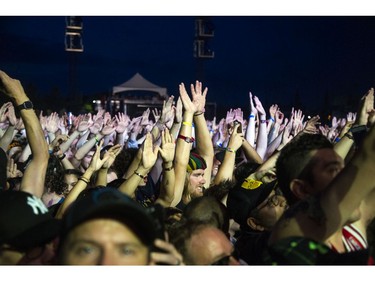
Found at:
(251, 244)
(305, 251)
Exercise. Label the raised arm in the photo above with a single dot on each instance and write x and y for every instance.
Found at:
(34, 175)
(250, 130)
(167, 152)
(149, 155)
(183, 146)
(261, 146)
(9, 114)
(226, 168)
(95, 164)
(204, 145)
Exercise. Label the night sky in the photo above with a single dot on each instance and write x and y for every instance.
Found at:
(310, 62)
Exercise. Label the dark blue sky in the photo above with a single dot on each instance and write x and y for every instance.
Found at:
(275, 57)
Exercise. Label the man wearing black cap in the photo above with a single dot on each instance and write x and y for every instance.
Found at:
(256, 207)
(26, 229)
(106, 227)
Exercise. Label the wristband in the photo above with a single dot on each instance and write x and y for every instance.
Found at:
(199, 113)
(168, 169)
(187, 123)
(62, 157)
(263, 121)
(187, 139)
(230, 150)
(97, 139)
(84, 180)
(273, 120)
(139, 175)
(348, 135)
(251, 116)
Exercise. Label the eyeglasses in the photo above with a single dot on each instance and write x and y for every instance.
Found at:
(273, 201)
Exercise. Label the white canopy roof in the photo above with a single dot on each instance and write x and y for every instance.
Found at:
(139, 83)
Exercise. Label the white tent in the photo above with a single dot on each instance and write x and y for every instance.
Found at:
(139, 83)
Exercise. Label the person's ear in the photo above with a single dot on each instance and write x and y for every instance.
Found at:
(299, 189)
(254, 224)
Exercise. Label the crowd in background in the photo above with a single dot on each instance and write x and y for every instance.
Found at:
(259, 186)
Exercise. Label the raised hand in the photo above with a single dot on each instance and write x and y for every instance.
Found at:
(298, 120)
(167, 112)
(278, 117)
(145, 116)
(366, 105)
(312, 124)
(12, 170)
(189, 106)
(3, 110)
(84, 123)
(52, 123)
(178, 111)
(63, 124)
(168, 255)
(156, 114)
(350, 117)
(230, 117)
(122, 122)
(236, 139)
(11, 115)
(149, 154)
(97, 122)
(168, 146)
(96, 162)
(42, 120)
(57, 141)
(112, 153)
(253, 109)
(259, 107)
(109, 127)
(273, 110)
(199, 97)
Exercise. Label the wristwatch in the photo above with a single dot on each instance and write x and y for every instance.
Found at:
(26, 105)
(187, 139)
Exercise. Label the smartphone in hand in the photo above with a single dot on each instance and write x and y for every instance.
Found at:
(239, 130)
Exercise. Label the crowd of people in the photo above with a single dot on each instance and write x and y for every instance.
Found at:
(255, 187)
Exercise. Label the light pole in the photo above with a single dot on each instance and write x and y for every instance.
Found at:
(204, 32)
(73, 46)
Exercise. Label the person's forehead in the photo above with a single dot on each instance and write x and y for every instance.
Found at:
(198, 171)
(213, 240)
(324, 157)
(71, 177)
(96, 227)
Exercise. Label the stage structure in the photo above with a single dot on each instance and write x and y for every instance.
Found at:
(137, 94)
